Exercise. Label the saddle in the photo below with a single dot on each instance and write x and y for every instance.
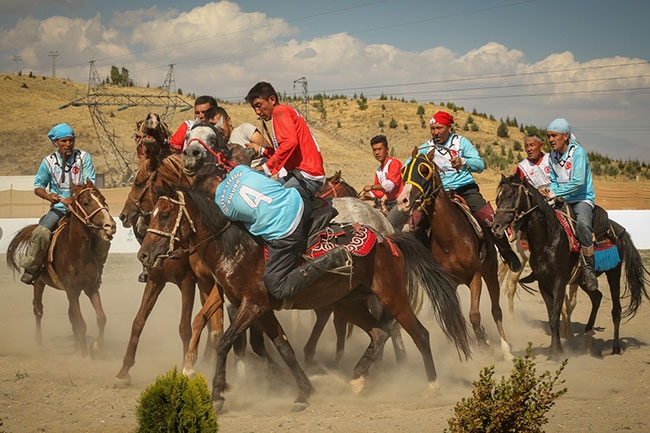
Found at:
(459, 201)
(63, 222)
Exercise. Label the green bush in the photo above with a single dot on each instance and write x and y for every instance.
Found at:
(518, 404)
(175, 403)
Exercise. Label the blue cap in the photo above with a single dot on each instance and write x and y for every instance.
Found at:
(62, 130)
(559, 125)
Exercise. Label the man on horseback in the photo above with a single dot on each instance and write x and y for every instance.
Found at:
(571, 179)
(277, 214)
(457, 157)
(57, 173)
(535, 168)
(178, 142)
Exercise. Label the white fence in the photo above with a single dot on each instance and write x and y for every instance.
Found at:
(635, 221)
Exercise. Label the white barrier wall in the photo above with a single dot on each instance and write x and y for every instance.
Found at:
(635, 221)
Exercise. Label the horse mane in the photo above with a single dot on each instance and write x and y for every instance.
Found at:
(171, 171)
(232, 240)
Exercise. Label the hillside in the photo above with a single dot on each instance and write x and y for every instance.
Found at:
(343, 131)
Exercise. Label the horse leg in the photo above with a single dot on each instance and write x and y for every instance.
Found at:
(322, 316)
(553, 295)
(96, 302)
(239, 345)
(272, 328)
(258, 346)
(213, 303)
(492, 283)
(340, 327)
(37, 304)
(614, 281)
(216, 320)
(152, 289)
(77, 322)
(570, 302)
(475, 287)
(595, 297)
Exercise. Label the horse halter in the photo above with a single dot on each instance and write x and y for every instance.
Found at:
(138, 201)
(515, 210)
(182, 210)
(419, 173)
(80, 212)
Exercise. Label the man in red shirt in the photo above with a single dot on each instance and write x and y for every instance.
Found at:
(388, 177)
(201, 105)
(295, 156)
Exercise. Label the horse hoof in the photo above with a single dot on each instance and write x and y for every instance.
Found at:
(189, 372)
(505, 349)
(218, 404)
(357, 385)
(431, 390)
(122, 382)
(299, 406)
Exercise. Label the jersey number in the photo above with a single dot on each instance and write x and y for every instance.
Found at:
(253, 197)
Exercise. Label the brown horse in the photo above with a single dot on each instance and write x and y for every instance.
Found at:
(454, 242)
(393, 268)
(186, 271)
(72, 265)
(336, 186)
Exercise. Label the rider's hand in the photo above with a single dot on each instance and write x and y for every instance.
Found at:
(66, 201)
(54, 198)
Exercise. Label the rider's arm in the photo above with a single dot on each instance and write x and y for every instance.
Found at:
(578, 175)
(88, 168)
(471, 160)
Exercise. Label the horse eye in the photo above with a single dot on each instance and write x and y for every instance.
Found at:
(424, 171)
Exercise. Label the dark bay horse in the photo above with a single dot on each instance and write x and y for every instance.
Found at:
(454, 242)
(393, 268)
(185, 271)
(553, 262)
(71, 264)
(336, 186)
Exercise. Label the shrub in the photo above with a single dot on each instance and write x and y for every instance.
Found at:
(518, 404)
(393, 123)
(502, 130)
(176, 403)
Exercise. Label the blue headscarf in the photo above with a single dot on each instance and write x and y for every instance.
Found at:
(559, 125)
(62, 130)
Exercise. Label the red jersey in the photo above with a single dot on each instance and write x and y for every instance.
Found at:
(177, 141)
(389, 176)
(294, 145)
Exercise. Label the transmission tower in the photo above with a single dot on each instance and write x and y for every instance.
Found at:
(54, 55)
(119, 161)
(19, 61)
(305, 96)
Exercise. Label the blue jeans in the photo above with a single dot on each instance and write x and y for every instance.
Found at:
(51, 219)
(584, 219)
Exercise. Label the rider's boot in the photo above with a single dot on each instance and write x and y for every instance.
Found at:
(589, 277)
(485, 218)
(309, 272)
(32, 261)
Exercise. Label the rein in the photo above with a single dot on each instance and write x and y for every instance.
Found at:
(331, 190)
(182, 210)
(518, 215)
(77, 210)
(138, 201)
(221, 159)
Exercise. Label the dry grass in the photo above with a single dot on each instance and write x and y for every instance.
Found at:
(31, 107)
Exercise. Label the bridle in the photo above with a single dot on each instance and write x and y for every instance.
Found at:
(424, 182)
(332, 189)
(138, 201)
(80, 212)
(518, 213)
(173, 236)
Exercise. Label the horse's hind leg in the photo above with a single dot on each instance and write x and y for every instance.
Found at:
(614, 281)
(37, 304)
(475, 287)
(497, 315)
(570, 302)
(322, 317)
(77, 322)
(595, 297)
(213, 303)
(96, 302)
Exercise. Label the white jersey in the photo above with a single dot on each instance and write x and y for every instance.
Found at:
(537, 174)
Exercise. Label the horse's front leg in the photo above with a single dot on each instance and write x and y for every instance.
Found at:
(77, 322)
(322, 317)
(553, 295)
(213, 303)
(96, 302)
(570, 302)
(187, 287)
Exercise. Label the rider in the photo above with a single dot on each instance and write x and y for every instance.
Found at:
(277, 214)
(571, 179)
(58, 171)
(457, 157)
(178, 141)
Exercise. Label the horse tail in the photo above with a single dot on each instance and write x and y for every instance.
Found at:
(18, 246)
(422, 271)
(636, 274)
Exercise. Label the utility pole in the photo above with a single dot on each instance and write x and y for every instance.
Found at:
(19, 61)
(305, 96)
(54, 55)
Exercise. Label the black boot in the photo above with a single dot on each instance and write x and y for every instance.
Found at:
(309, 272)
(589, 277)
(509, 256)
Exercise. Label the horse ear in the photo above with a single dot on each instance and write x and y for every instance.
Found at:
(414, 152)
(89, 182)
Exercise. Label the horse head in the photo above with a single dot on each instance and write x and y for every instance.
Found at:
(515, 199)
(417, 175)
(204, 143)
(89, 206)
(139, 202)
(152, 139)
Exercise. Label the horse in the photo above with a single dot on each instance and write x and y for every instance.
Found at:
(336, 186)
(467, 256)
(186, 271)
(205, 150)
(152, 140)
(555, 264)
(70, 251)
(394, 267)
(511, 281)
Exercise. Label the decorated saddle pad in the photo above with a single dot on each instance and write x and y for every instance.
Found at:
(358, 240)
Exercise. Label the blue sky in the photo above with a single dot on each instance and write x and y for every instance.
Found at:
(585, 60)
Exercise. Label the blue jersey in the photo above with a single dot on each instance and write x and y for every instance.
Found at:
(571, 174)
(263, 205)
(58, 176)
(456, 145)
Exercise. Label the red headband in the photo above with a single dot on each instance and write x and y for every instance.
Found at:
(441, 118)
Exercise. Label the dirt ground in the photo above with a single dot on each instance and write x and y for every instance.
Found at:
(52, 389)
